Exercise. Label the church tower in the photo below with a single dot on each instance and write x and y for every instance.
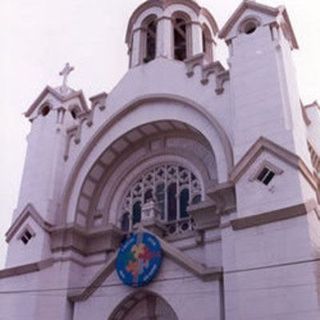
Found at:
(190, 191)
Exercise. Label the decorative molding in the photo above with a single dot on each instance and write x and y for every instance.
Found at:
(211, 68)
(85, 242)
(99, 101)
(26, 268)
(192, 62)
(184, 261)
(224, 144)
(315, 157)
(222, 75)
(205, 215)
(220, 80)
(273, 216)
(60, 97)
(28, 211)
(224, 197)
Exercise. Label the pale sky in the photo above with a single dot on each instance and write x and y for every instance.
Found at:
(38, 37)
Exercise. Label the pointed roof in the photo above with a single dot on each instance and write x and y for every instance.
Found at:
(258, 7)
(170, 252)
(59, 94)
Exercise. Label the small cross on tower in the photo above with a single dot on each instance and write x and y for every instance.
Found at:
(65, 73)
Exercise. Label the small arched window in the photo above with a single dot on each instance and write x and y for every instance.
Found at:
(171, 187)
(74, 111)
(45, 110)
(149, 38)
(181, 38)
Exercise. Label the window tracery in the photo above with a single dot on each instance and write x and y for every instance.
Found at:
(171, 187)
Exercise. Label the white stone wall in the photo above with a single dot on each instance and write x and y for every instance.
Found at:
(270, 271)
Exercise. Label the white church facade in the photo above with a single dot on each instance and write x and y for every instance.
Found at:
(218, 167)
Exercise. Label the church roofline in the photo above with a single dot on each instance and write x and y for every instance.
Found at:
(250, 4)
(172, 253)
(59, 96)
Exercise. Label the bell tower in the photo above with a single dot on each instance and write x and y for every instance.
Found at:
(160, 28)
(52, 115)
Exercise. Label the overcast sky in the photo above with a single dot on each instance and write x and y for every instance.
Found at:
(38, 37)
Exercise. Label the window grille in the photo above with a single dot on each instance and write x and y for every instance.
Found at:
(265, 176)
(26, 236)
(172, 187)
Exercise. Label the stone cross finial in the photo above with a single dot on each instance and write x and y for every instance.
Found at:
(65, 73)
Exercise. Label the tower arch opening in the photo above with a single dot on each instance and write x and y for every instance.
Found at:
(182, 36)
(149, 39)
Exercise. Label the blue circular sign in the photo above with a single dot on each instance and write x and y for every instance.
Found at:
(139, 260)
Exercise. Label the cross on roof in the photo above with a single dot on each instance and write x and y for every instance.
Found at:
(65, 73)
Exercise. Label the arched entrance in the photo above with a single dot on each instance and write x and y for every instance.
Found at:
(143, 306)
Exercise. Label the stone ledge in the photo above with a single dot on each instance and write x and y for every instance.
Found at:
(273, 216)
(26, 268)
(85, 242)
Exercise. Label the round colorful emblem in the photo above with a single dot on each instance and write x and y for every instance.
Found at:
(139, 259)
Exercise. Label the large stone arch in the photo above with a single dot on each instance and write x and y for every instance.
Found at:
(142, 112)
(143, 305)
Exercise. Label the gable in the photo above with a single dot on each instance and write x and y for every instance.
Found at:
(269, 177)
(265, 14)
(29, 212)
(264, 144)
(170, 252)
(53, 97)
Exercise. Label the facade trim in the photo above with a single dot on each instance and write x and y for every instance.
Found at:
(60, 97)
(273, 216)
(26, 268)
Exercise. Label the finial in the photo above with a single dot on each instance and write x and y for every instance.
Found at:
(65, 73)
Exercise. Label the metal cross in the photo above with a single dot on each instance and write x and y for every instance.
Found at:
(65, 73)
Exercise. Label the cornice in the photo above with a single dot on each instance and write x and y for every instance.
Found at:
(59, 97)
(274, 216)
